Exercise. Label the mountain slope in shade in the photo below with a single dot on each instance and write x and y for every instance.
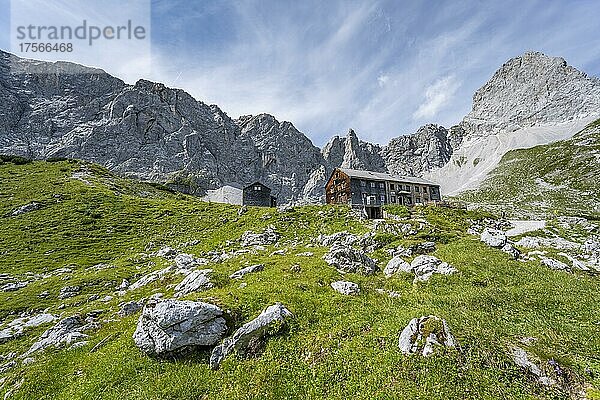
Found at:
(557, 177)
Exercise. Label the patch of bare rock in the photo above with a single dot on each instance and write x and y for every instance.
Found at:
(425, 335)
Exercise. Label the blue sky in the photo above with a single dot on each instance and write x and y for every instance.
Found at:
(382, 67)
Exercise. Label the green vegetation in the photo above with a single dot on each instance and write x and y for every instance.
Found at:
(553, 179)
(399, 211)
(336, 347)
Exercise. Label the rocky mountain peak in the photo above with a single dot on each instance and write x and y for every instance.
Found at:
(532, 89)
(428, 148)
(350, 152)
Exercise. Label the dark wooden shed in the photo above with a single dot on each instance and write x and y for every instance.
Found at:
(258, 194)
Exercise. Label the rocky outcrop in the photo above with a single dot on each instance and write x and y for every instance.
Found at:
(425, 266)
(348, 259)
(267, 237)
(287, 157)
(271, 319)
(17, 327)
(66, 110)
(427, 149)
(424, 335)
(395, 266)
(349, 152)
(172, 326)
(80, 112)
(68, 331)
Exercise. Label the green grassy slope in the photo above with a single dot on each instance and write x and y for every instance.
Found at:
(336, 347)
(557, 178)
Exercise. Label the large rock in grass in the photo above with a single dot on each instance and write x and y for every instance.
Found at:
(493, 238)
(348, 259)
(270, 320)
(172, 326)
(425, 266)
(424, 335)
(396, 265)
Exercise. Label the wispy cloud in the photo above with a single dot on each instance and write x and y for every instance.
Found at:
(437, 96)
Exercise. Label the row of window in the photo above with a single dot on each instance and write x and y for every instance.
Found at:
(395, 186)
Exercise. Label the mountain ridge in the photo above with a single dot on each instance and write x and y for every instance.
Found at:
(82, 112)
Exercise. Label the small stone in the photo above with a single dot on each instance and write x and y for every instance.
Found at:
(351, 260)
(425, 266)
(28, 360)
(248, 270)
(129, 308)
(555, 264)
(268, 237)
(69, 291)
(345, 287)
(511, 250)
(422, 248)
(196, 281)
(396, 265)
(166, 252)
(124, 285)
(13, 287)
(521, 358)
(26, 208)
